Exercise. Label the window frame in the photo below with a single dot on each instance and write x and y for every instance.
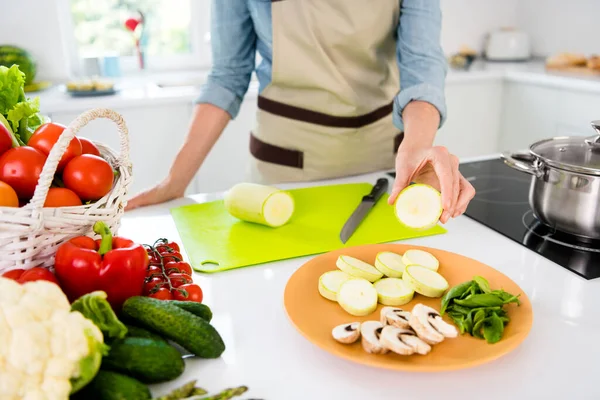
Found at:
(198, 58)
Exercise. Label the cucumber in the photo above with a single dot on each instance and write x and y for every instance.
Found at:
(149, 360)
(198, 309)
(184, 328)
(109, 385)
(139, 332)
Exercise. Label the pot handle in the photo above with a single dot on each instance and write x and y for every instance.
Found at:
(523, 162)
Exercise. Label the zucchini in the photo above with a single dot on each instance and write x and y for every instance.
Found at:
(184, 328)
(139, 332)
(149, 360)
(198, 309)
(109, 385)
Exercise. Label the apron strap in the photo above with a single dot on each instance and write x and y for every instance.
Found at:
(314, 117)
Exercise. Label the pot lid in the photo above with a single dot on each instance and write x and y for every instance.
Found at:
(573, 153)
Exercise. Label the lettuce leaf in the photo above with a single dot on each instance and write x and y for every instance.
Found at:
(21, 112)
(19, 116)
(12, 81)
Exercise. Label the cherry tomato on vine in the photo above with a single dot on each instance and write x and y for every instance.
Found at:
(154, 270)
(178, 279)
(168, 257)
(162, 294)
(189, 292)
(151, 283)
(178, 266)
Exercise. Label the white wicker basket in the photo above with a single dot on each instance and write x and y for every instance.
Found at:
(31, 235)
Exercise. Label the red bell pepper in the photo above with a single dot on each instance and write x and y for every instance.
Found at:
(114, 265)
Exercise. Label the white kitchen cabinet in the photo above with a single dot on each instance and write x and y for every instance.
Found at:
(533, 112)
(155, 134)
(474, 112)
(530, 113)
(576, 111)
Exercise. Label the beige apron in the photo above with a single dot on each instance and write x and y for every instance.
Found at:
(327, 112)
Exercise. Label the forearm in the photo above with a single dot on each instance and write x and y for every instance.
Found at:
(207, 124)
(421, 122)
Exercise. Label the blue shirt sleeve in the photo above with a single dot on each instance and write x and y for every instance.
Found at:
(421, 60)
(233, 42)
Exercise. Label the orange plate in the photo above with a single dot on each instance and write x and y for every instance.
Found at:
(315, 316)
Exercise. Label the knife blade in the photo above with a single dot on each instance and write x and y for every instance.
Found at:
(366, 203)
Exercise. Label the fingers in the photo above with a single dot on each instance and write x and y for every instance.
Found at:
(467, 192)
(442, 165)
(403, 177)
(142, 199)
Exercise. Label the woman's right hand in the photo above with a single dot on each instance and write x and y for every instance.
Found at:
(163, 192)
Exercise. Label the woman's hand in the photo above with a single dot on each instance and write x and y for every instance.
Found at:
(160, 193)
(419, 161)
(434, 166)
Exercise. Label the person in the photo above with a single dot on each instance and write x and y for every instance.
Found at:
(346, 87)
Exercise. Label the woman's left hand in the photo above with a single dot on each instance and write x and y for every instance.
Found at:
(434, 166)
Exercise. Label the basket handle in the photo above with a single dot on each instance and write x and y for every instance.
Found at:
(47, 175)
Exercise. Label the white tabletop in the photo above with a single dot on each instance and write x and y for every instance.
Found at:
(560, 359)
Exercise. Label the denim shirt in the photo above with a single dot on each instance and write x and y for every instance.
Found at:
(242, 28)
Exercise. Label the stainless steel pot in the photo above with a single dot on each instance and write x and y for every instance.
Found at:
(565, 184)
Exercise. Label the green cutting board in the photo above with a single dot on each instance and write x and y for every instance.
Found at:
(215, 241)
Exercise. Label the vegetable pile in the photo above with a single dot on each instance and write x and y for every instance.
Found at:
(26, 139)
(477, 309)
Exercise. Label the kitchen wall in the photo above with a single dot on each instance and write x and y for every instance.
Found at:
(34, 25)
(465, 22)
(559, 25)
(554, 26)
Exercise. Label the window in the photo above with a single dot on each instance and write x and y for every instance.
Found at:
(175, 32)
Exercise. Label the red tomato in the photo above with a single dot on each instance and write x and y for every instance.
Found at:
(37, 274)
(8, 196)
(90, 177)
(88, 147)
(178, 266)
(13, 274)
(5, 139)
(21, 167)
(162, 294)
(189, 292)
(61, 197)
(170, 257)
(154, 270)
(168, 248)
(177, 279)
(152, 282)
(46, 136)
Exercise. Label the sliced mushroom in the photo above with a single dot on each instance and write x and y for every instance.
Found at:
(347, 333)
(410, 337)
(435, 319)
(392, 339)
(419, 321)
(395, 316)
(370, 337)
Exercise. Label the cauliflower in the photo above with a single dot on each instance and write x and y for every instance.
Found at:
(46, 351)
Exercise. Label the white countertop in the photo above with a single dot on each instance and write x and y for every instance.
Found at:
(143, 91)
(560, 358)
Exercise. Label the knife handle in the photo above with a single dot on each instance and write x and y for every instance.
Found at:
(378, 190)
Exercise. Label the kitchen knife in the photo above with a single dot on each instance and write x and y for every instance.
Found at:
(363, 209)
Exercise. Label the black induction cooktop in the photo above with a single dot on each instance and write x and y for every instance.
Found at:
(501, 203)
